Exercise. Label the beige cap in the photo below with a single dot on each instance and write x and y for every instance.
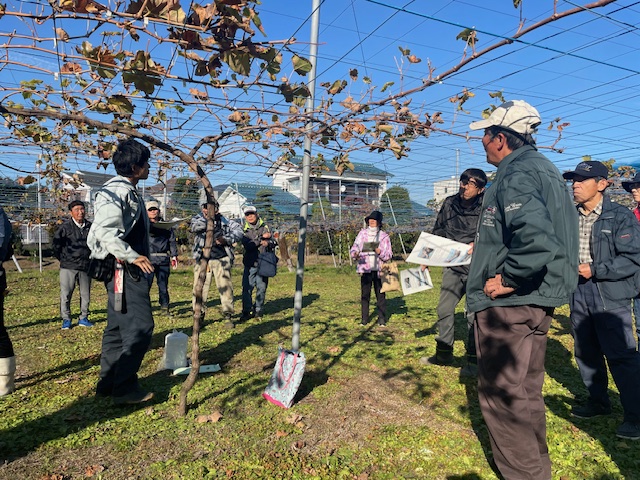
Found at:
(152, 204)
(516, 115)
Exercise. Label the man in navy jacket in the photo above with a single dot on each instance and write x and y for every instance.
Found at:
(70, 248)
(601, 321)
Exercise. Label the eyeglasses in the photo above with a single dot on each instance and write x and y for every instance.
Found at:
(469, 181)
(152, 209)
(249, 213)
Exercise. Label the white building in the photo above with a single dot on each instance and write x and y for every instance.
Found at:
(365, 184)
(445, 188)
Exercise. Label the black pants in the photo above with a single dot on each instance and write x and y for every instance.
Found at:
(366, 280)
(6, 347)
(126, 337)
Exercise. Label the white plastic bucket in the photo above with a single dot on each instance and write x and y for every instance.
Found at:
(175, 350)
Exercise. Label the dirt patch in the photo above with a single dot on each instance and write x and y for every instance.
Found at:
(362, 406)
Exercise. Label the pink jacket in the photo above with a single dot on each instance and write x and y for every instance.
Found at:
(385, 250)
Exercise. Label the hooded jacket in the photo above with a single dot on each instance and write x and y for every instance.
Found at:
(528, 232)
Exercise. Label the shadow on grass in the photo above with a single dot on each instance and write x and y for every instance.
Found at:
(602, 429)
(26, 437)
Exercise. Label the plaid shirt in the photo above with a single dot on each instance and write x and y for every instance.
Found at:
(586, 221)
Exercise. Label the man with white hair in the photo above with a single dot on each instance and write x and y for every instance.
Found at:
(524, 264)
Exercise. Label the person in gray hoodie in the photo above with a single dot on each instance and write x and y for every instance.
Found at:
(121, 228)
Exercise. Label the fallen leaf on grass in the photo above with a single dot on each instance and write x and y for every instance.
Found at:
(281, 433)
(213, 418)
(53, 476)
(294, 418)
(299, 445)
(93, 469)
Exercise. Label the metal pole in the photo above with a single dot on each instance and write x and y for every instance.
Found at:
(324, 217)
(396, 222)
(39, 218)
(306, 171)
(165, 195)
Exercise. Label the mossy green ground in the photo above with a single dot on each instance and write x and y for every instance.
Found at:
(367, 409)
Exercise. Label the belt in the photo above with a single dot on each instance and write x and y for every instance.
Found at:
(162, 254)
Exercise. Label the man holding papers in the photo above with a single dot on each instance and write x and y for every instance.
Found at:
(457, 220)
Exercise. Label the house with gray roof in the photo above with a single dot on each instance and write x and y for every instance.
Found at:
(237, 195)
(366, 182)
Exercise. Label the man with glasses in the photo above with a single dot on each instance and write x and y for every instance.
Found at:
(633, 187)
(601, 322)
(525, 263)
(164, 253)
(457, 220)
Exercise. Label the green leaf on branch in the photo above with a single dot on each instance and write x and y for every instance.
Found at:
(301, 65)
(337, 87)
(469, 36)
(239, 61)
(385, 86)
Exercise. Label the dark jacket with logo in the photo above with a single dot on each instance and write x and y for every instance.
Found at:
(615, 246)
(162, 245)
(70, 245)
(458, 223)
(528, 232)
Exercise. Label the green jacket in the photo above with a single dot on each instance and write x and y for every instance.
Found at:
(528, 232)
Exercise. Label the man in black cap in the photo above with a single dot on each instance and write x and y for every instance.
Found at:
(70, 247)
(633, 187)
(601, 322)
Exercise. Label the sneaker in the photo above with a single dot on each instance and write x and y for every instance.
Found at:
(66, 324)
(165, 311)
(258, 315)
(628, 431)
(245, 316)
(133, 398)
(590, 410)
(83, 322)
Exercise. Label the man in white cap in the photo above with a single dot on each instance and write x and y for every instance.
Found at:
(256, 240)
(524, 264)
(163, 253)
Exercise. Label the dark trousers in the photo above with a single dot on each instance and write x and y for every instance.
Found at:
(366, 280)
(454, 287)
(600, 334)
(126, 337)
(511, 343)
(251, 279)
(6, 347)
(161, 273)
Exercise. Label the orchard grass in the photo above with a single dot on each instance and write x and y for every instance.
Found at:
(366, 409)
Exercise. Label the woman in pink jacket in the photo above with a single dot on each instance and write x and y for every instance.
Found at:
(371, 249)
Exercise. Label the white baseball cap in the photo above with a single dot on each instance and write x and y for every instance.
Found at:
(516, 115)
(249, 209)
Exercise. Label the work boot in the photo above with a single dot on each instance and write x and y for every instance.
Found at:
(443, 356)
(7, 375)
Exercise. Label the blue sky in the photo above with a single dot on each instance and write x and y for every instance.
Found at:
(582, 69)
